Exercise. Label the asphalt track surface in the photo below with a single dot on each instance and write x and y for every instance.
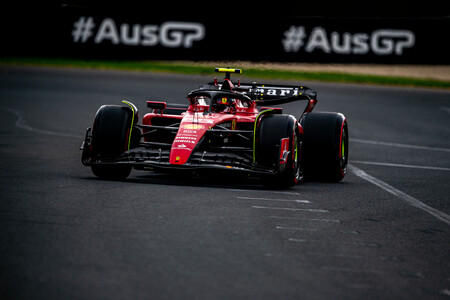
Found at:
(382, 233)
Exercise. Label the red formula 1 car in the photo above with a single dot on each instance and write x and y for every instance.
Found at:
(225, 126)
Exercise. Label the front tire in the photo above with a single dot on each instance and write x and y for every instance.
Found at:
(111, 138)
(273, 130)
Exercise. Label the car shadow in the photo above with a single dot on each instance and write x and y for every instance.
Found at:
(208, 180)
(211, 180)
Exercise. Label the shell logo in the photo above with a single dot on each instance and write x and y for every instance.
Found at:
(193, 126)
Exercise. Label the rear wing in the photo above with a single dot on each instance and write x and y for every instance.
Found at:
(269, 92)
(274, 94)
(266, 94)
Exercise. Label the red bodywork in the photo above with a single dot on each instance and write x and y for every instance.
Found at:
(194, 124)
(195, 121)
(227, 127)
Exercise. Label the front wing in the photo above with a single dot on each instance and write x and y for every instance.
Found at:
(155, 156)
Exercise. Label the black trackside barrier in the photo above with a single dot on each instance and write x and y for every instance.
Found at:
(82, 33)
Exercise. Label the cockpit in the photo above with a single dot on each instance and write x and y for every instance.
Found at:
(220, 104)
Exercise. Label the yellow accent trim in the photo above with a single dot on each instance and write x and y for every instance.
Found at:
(132, 121)
(225, 70)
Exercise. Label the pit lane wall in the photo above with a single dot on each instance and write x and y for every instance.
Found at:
(76, 33)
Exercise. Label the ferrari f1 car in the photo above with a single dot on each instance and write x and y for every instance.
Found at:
(227, 126)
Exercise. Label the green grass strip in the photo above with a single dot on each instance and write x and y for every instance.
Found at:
(207, 69)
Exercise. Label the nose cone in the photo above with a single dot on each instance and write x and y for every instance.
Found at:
(185, 141)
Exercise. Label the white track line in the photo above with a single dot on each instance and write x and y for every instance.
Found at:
(359, 244)
(401, 195)
(270, 199)
(337, 269)
(306, 219)
(399, 145)
(22, 124)
(296, 228)
(292, 209)
(399, 165)
(259, 191)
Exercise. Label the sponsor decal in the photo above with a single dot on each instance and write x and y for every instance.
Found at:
(274, 91)
(185, 139)
(181, 147)
(193, 126)
(169, 34)
(190, 133)
(206, 121)
(379, 42)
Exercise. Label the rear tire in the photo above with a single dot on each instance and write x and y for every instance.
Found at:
(325, 146)
(110, 138)
(274, 128)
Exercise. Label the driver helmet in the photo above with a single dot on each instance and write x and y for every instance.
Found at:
(224, 103)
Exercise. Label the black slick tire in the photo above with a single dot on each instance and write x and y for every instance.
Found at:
(325, 146)
(110, 137)
(272, 130)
